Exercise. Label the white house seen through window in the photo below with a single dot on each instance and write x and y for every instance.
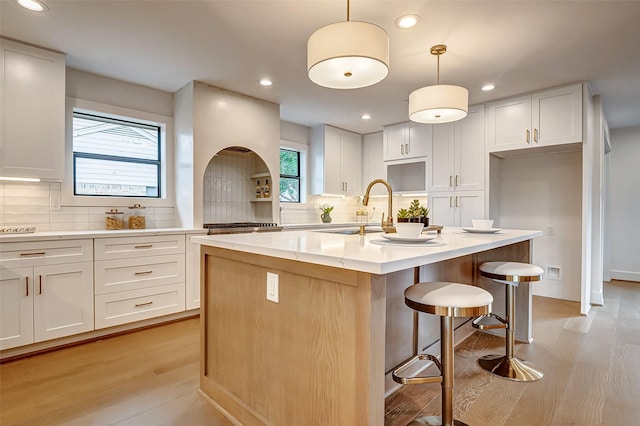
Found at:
(115, 157)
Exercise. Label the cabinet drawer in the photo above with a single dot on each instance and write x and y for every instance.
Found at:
(39, 253)
(127, 247)
(138, 272)
(135, 305)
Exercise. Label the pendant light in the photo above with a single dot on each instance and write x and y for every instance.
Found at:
(440, 103)
(348, 55)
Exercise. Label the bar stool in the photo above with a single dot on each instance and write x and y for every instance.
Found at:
(447, 300)
(508, 366)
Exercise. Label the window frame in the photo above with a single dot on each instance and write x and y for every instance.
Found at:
(166, 124)
(129, 120)
(296, 177)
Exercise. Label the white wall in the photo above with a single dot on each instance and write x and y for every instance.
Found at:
(541, 190)
(623, 204)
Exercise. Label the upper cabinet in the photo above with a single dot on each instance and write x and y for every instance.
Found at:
(551, 117)
(335, 161)
(406, 140)
(32, 112)
(458, 154)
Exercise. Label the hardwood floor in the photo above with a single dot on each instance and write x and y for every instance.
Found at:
(591, 366)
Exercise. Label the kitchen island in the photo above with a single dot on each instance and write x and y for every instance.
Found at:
(319, 355)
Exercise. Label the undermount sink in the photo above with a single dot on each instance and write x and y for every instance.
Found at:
(351, 231)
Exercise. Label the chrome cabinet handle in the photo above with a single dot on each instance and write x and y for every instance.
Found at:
(457, 177)
(527, 135)
(450, 180)
(137, 305)
(346, 186)
(406, 148)
(456, 201)
(450, 201)
(402, 148)
(535, 135)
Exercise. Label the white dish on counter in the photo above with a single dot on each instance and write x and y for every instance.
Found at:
(419, 239)
(482, 231)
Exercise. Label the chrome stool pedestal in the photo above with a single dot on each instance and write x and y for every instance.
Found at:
(508, 366)
(447, 300)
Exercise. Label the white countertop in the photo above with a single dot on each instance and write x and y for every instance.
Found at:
(364, 253)
(98, 233)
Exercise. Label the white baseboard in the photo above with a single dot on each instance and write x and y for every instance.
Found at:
(625, 275)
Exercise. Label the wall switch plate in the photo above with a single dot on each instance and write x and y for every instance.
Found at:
(553, 273)
(272, 287)
(551, 230)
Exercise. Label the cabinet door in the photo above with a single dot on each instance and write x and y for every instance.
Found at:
(442, 209)
(16, 307)
(394, 142)
(469, 205)
(557, 116)
(470, 153)
(63, 300)
(333, 183)
(32, 112)
(442, 158)
(373, 166)
(350, 158)
(420, 139)
(509, 124)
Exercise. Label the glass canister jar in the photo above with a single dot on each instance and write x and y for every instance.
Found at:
(114, 220)
(136, 217)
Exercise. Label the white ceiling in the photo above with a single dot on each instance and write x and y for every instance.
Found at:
(521, 46)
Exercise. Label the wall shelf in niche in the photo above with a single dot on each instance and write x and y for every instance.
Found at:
(260, 200)
(260, 175)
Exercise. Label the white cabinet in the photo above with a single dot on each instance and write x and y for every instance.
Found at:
(373, 165)
(32, 111)
(550, 117)
(46, 289)
(458, 159)
(456, 208)
(406, 140)
(138, 278)
(335, 161)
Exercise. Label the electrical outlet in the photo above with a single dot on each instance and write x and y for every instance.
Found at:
(54, 201)
(553, 273)
(551, 230)
(272, 287)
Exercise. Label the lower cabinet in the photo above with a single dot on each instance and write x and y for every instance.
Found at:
(41, 301)
(135, 280)
(457, 208)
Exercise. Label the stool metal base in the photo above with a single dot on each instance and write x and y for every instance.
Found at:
(433, 421)
(510, 368)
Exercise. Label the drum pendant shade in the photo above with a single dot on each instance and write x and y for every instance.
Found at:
(440, 103)
(348, 55)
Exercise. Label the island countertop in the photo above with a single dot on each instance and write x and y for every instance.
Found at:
(369, 253)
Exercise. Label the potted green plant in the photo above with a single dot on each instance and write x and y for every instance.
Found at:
(326, 213)
(414, 213)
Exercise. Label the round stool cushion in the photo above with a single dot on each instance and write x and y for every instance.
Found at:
(511, 271)
(448, 299)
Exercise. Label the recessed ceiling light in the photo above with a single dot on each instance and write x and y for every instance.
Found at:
(488, 87)
(266, 82)
(35, 5)
(366, 116)
(407, 21)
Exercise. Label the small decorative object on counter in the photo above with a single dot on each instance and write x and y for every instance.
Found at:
(258, 190)
(137, 218)
(362, 216)
(415, 213)
(115, 220)
(326, 213)
(266, 189)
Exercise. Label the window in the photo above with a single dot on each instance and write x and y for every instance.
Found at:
(289, 176)
(115, 157)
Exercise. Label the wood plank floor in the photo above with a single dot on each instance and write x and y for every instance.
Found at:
(591, 366)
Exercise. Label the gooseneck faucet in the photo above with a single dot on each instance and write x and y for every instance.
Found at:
(387, 226)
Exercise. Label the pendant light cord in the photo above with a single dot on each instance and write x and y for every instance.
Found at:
(438, 73)
(348, 1)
